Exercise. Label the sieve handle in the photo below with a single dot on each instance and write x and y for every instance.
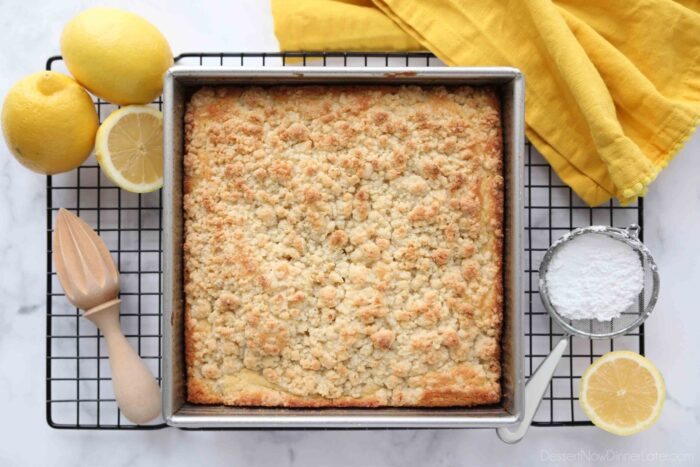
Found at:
(534, 391)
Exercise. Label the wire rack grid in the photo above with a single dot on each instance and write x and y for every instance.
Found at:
(79, 392)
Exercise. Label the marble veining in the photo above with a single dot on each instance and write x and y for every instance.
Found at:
(29, 32)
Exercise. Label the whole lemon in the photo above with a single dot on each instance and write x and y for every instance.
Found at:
(116, 55)
(49, 122)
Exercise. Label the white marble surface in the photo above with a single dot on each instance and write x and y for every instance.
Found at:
(29, 32)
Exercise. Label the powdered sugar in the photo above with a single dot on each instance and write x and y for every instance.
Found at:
(594, 276)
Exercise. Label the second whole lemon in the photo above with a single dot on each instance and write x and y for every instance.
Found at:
(116, 55)
(49, 122)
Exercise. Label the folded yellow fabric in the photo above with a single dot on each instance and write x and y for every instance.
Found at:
(612, 88)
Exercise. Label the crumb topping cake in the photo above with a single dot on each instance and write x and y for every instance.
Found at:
(343, 246)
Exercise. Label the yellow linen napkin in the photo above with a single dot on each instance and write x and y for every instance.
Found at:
(612, 88)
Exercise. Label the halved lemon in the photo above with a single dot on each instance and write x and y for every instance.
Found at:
(129, 148)
(622, 393)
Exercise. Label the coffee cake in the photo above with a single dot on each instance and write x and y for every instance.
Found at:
(343, 246)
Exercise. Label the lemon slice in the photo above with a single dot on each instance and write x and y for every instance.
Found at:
(622, 393)
(129, 148)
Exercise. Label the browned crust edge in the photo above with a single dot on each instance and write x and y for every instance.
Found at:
(497, 214)
(198, 392)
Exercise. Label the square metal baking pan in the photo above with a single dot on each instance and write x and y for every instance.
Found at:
(180, 83)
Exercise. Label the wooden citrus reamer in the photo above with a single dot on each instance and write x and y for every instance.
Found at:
(91, 282)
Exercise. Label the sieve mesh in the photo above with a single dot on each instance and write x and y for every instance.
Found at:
(629, 319)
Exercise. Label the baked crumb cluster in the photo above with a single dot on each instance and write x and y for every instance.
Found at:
(343, 246)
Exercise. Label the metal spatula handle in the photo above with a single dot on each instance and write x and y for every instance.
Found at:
(534, 392)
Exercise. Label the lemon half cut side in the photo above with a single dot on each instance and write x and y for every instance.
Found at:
(623, 393)
(129, 148)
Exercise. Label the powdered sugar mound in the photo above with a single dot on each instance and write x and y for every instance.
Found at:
(594, 276)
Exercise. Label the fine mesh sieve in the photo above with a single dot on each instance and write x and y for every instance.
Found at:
(632, 317)
(629, 319)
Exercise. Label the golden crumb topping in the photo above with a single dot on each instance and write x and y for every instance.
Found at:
(343, 245)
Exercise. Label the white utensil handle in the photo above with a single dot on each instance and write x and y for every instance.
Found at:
(135, 388)
(534, 392)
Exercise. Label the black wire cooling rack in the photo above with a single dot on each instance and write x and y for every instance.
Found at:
(78, 385)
